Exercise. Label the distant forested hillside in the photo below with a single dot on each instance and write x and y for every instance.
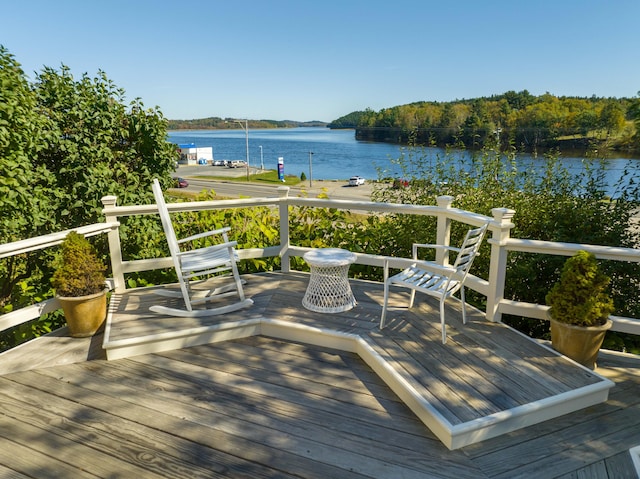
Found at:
(231, 123)
(514, 118)
(352, 120)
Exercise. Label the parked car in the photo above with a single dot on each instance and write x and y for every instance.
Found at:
(237, 164)
(217, 163)
(356, 181)
(182, 183)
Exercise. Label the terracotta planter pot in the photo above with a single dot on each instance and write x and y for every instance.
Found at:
(580, 343)
(84, 314)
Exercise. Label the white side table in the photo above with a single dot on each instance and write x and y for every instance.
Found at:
(329, 290)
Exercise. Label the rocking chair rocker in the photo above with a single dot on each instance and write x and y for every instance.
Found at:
(434, 279)
(193, 264)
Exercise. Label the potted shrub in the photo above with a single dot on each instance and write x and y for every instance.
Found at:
(579, 309)
(79, 282)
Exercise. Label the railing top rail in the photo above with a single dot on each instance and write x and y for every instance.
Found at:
(384, 207)
(133, 210)
(569, 249)
(52, 239)
(379, 207)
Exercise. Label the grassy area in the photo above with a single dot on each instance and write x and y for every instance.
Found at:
(267, 177)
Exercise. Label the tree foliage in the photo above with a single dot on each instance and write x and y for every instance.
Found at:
(350, 120)
(95, 145)
(516, 118)
(218, 123)
(64, 144)
(24, 183)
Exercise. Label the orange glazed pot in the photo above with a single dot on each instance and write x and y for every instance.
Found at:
(84, 314)
(580, 343)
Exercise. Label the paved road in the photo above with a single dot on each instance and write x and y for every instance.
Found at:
(235, 189)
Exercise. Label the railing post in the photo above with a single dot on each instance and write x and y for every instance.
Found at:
(283, 205)
(443, 234)
(115, 251)
(498, 265)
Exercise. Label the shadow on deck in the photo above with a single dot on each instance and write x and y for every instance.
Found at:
(486, 381)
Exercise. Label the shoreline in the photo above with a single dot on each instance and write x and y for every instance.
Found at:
(186, 170)
(333, 188)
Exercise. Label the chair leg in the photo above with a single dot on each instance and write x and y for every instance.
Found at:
(412, 297)
(385, 278)
(236, 275)
(464, 309)
(442, 322)
(383, 317)
(186, 290)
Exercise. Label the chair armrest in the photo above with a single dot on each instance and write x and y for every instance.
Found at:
(220, 231)
(214, 247)
(432, 246)
(434, 267)
(431, 266)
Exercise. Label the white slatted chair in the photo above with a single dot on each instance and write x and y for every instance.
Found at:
(434, 279)
(198, 263)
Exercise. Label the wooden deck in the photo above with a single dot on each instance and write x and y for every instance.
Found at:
(269, 398)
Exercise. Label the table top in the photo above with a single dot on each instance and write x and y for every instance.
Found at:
(329, 257)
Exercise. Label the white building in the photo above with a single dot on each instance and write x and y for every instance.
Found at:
(190, 154)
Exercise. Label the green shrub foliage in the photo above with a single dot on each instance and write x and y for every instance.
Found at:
(580, 297)
(65, 142)
(552, 203)
(79, 271)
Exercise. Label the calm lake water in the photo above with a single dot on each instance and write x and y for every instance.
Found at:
(337, 155)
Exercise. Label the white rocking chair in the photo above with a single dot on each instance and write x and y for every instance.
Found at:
(434, 279)
(197, 263)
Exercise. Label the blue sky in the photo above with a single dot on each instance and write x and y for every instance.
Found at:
(319, 60)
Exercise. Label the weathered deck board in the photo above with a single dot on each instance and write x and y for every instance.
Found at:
(56, 348)
(90, 400)
(242, 424)
(568, 443)
(475, 381)
(263, 407)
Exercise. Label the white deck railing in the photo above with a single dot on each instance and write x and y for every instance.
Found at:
(492, 287)
(34, 311)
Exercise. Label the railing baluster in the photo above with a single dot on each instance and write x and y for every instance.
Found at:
(498, 264)
(283, 192)
(115, 250)
(443, 235)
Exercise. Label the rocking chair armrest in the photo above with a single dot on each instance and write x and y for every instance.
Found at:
(432, 246)
(214, 247)
(220, 231)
